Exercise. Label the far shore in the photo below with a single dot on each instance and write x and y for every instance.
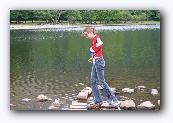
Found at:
(49, 26)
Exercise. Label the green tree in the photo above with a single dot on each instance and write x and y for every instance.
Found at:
(39, 15)
(25, 15)
(73, 15)
(15, 15)
(88, 16)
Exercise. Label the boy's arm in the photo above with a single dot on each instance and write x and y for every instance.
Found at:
(99, 42)
(97, 45)
(90, 59)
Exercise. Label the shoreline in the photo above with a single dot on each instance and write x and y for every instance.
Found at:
(46, 26)
(49, 26)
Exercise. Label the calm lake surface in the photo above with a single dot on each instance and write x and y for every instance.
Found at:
(54, 62)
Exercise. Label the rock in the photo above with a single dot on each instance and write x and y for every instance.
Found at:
(146, 105)
(52, 107)
(154, 91)
(141, 87)
(78, 103)
(128, 90)
(82, 95)
(159, 103)
(42, 98)
(113, 90)
(128, 104)
(56, 103)
(77, 107)
(12, 105)
(26, 99)
(87, 89)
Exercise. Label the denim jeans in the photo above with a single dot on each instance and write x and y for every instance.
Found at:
(98, 73)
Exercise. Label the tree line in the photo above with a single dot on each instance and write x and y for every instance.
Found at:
(83, 16)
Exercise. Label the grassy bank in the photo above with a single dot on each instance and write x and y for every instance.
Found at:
(97, 23)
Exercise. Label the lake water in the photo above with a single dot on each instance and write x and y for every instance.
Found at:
(54, 62)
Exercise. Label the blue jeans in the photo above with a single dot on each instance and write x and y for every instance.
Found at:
(98, 72)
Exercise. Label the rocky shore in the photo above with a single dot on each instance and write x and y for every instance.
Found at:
(47, 26)
(84, 98)
(43, 26)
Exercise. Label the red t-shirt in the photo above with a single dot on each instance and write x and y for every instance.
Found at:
(98, 50)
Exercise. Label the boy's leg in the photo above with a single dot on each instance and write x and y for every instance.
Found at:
(94, 86)
(100, 63)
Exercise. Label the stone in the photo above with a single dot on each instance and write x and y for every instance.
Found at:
(154, 91)
(76, 103)
(146, 105)
(77, 107)
(88, 89)
(42, 98)
(128, 90)
(113, 90)
(56, 103)
(82, 95)
(26, 99)
(128, 104)
(159, 103)
(141, 87)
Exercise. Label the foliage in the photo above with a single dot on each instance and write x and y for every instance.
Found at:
(84, 16)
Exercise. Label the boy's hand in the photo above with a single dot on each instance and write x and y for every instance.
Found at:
(90, 60)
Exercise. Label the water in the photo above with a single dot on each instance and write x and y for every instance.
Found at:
(54, 62)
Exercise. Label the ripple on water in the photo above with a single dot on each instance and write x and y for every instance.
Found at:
(104, 28)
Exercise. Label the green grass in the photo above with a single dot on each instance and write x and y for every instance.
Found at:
(79, 23)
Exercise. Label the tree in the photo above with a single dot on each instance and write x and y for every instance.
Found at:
(39, 14)
(15, 15)
(25, 15)
(73, 15)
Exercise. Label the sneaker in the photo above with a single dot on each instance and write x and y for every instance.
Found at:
(94, 102)
(112, 101)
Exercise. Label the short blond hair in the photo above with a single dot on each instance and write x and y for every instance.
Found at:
(89, 29)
